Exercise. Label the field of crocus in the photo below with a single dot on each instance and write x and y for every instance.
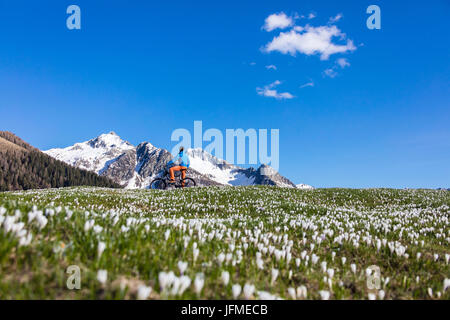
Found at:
(224, 243)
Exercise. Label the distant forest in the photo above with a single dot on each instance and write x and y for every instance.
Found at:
(24, 167)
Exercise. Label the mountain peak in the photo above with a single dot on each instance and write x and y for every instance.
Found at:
(95, 154)
(267, 170)
(205, 156)
(108, 140)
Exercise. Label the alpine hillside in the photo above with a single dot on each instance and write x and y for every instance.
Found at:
(25, 167)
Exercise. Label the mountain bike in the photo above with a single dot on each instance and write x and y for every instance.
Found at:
(163, 182)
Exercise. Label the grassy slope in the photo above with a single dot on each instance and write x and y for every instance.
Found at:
(136, 256)
(7, 145)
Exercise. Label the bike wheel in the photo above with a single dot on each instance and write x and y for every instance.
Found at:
(158, 184)
(189, 183)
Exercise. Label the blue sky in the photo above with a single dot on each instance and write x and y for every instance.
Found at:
(145, 68)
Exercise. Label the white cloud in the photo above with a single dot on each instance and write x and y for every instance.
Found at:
(269, 91)
(310, 41)
(336, 18)
(308, 84)
(273, 67)
(342, 62)
(311, 16)
(298, 28)
(252, 63)
(330, 73)
(277, 21)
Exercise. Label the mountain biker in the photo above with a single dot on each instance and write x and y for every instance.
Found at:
(182, 163)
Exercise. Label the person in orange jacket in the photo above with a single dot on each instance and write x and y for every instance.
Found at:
(180, 163)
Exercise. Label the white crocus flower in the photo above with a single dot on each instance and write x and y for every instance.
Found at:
(143, 292)
(100, 248)
(102, 276)
(324, 295)
(274, 275)
(236, 290)
(323, 265)
(446, 284)
(330, 273)
(260, 264)
(314, 259)
(88, 225)
(195, 252)
(221, 258)
(164, 280)
(248, 291)
(302, 292)
(225, 277)
(185, 282)
(292, 293)
(199, 282)
(303, 255)
(97, 229)
(182, 266)
(42, 221)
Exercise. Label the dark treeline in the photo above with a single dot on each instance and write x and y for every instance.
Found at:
(32, 169)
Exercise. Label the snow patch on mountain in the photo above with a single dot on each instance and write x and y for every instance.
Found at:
(93, 155)
(217, 169)
(304, 186)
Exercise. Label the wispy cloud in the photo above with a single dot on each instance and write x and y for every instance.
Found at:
(310, 41)
(342, 62)
(273, 67)
(331, 73)
(308, 84)
(312, 16)
(277, 21)
(335, 19)
(269, 91)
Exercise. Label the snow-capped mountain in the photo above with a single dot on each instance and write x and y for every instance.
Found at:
(93, 155)
(218, 170)
(304, 186)
(135, 167)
